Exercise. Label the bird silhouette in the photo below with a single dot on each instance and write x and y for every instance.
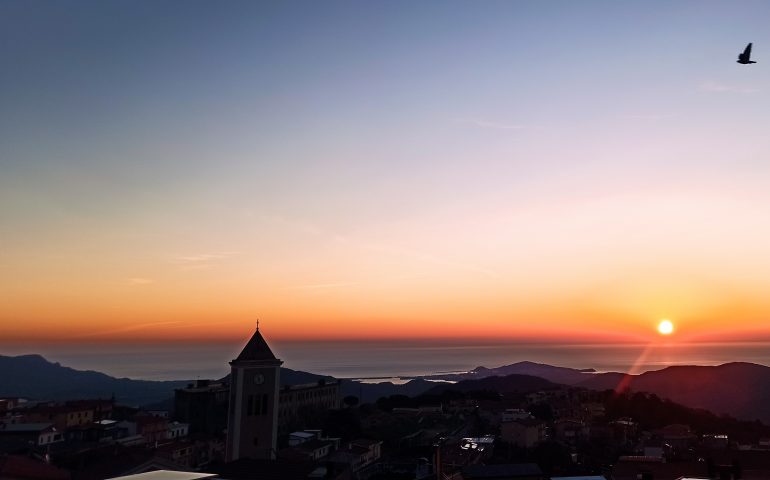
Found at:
(745, 57)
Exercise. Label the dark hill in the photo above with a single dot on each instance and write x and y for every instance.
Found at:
(369, 392)
(505, 385)
(738, 389)
(33, 376)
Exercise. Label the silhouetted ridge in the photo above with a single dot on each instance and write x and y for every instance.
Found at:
(739, 389)
(35, 377)
(507, 384)
(564, 375)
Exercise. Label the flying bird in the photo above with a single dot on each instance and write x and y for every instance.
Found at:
(745, 57)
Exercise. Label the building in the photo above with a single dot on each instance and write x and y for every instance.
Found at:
(358, 454)
(40, 434)
(168, 475)
(26, 467)
(714, 441)
(296, 400)
(312, 450)
(203, 405)
(523, 433)
(677, 435)
(151, 427)
(101, 431)
(101, 408)
(570, 432)
(62, 416)
(510, 471)
(652, 468)
(252, 424)
(177, 430)
(9, 403)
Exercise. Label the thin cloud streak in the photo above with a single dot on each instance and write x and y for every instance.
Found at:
(716, 87)
(652, 116)
(205, 257)
(128, 328)
(203, 261)
(487, 124)
(320, 286)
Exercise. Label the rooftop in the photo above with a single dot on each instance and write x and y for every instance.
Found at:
(210, 387)
(256, 349)
(582, 477)
(305, 386)
(365, 442)
(25, 427)
(244, 468)
(22, 466)
(508, 470)
(167, 475)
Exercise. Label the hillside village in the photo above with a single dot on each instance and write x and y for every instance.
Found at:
(504, 427)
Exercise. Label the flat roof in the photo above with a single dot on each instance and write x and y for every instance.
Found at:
(581, 477)
(25, 427)
(502, 470)
(167, 475)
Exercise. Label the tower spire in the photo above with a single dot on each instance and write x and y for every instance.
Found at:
(256, 348)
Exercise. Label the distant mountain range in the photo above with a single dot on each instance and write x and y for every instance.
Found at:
(562, 375)
(738, 389)
(32, 376)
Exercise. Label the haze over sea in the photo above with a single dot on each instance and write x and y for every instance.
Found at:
(384, 359)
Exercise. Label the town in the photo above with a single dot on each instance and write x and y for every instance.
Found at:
(251, 426)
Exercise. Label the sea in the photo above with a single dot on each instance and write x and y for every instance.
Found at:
(398, 361)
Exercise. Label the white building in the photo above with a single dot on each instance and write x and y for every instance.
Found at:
(177, 430)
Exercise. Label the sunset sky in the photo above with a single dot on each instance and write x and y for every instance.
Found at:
(432, 169)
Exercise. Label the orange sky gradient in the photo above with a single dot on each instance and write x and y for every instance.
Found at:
(362, 171)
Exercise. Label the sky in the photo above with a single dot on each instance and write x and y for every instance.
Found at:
(346, 170)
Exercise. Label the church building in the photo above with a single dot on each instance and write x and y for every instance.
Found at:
(252, 424)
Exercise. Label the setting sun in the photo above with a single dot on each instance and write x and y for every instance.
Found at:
(665, 327)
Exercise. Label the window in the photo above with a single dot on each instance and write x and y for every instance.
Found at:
(256, 405)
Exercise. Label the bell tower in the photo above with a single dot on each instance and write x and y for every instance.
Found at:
(252, 422)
